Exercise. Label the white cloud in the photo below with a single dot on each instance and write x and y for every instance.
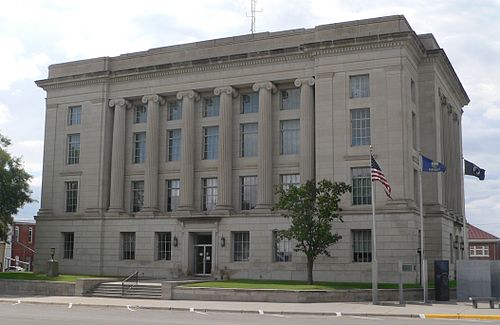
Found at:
(4, 114)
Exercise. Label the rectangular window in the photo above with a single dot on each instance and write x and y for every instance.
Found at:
(71, 189)
(360, 86)
(137, 196)
(74, 115)
(174, 110)
(139, 147)
(362, 245)
(241, 246)
(283, 248)
(290, 99)
(290, 130)
(250, 103)
(361, 186)
(73, 149)
(248, 192)
(210, 188)
(140, 114)
(360, 127)
(211, 106)
(249, 139)
(479, 251)
(16, 233)
(414, 129)
(174, 145)
(163, 246)
(173, 194)
(289, 180)
(30, 235)
(211, 143)
(413, 91)
(128, 245)
(68, 245)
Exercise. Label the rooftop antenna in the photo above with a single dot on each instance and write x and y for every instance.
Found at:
(253, 7)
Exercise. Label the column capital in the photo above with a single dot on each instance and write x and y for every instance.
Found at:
(226, 89)
(265, 85)
(153, 98)
(191, 94)
(304, 81)
(120, 102)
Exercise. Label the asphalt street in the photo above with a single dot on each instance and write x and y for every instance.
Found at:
(45, 314)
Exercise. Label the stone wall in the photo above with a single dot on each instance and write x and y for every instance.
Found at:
(36, 288)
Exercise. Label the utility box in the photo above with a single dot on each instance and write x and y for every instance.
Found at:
(441, 280)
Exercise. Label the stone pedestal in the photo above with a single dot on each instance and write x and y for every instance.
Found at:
(52, 268)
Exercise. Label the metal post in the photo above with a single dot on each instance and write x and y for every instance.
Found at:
(423, 270)
(374, 245)
(401, 294)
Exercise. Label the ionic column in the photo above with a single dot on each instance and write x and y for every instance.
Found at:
(188, 98)
(265, 148)
(118, 155)
(306, 162)
(225, 166)
(152, 148)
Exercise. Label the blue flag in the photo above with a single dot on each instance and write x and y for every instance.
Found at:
(431, 166)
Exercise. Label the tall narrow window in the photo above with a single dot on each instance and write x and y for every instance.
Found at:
(73, 149)
(248, 192)
(173, 194)
(290, 99)
(174, 144)
(211, 143)
(414, 130)
(360, 86)
(30, 235)
(137, 196)
(211, 106)
(163, 246)
(174, 110)
(139, 147)
(413, 91)
(249, 139)
(210, 189)
(241, 246)
(362, 245)
(16, 233)
(71, 189)
(68, 244)
(289, 180)
(361, 186)
(128, 245)
(360, 127)
(250, 103)
(74, 115)
(140, 114)
(290, 130)
(283, 248)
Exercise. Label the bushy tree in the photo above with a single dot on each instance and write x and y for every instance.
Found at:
(14, 186)
(311, 208)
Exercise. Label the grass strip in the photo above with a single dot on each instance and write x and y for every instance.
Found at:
(40, 276)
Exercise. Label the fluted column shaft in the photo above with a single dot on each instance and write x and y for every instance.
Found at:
(265, 148)
(188, 149)
(306, 162)
(152, 148)
(225, 163)
(118, 155)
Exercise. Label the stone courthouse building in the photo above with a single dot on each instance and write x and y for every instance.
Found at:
(165, 161)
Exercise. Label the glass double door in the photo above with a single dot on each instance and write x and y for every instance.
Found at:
(203, 254)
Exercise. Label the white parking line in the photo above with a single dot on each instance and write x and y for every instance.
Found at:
(261, 312)
(70, 305)
(17, 303)
(129, 308)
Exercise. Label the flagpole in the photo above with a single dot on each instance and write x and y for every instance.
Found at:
(423, 263)
(465, 231)
(374, 242)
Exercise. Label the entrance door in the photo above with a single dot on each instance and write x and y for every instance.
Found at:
(203, 254)
(203, 259)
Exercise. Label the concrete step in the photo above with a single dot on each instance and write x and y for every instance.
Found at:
(132, 291)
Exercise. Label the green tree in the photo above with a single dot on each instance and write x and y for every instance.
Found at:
(311, 208)
(14, 186)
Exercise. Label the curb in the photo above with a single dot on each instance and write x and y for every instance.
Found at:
(462, 316)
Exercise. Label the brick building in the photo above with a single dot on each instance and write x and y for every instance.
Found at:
(483, 245)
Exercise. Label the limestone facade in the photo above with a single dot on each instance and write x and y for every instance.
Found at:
(256, 110)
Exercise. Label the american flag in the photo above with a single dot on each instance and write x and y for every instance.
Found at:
(378, 175)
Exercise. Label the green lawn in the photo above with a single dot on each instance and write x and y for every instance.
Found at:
(40, 276)
(293, 285)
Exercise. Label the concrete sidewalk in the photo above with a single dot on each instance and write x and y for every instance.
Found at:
(435, 310)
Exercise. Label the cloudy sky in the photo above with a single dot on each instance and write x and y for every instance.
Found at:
(36, 33)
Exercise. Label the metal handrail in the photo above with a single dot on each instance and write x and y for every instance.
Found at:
(136, 275)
